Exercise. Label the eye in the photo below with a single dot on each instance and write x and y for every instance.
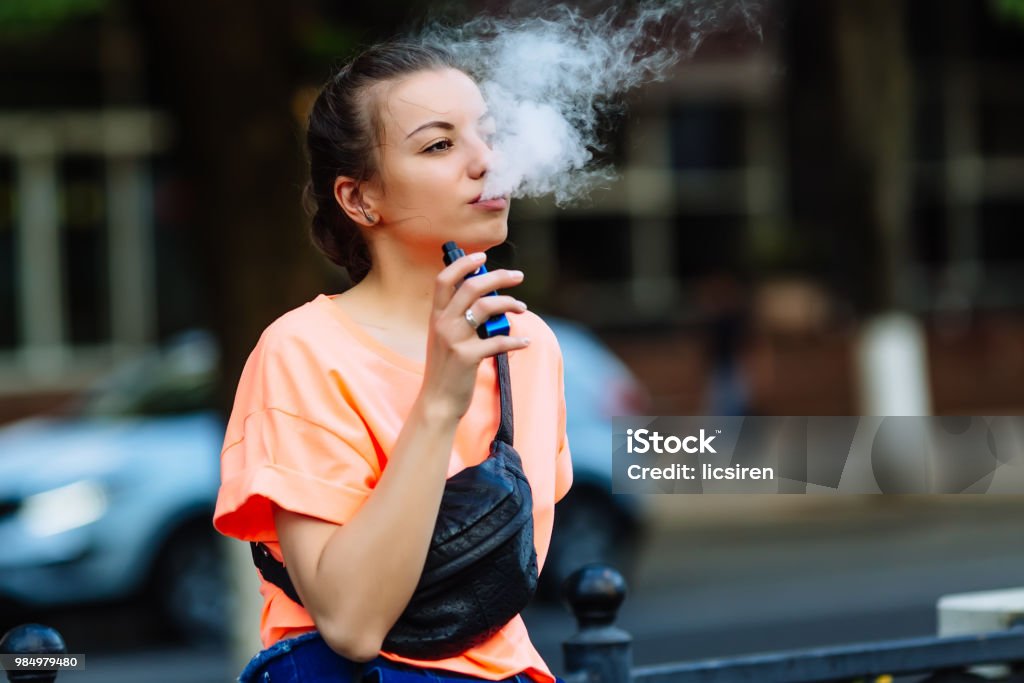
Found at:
(439, 146)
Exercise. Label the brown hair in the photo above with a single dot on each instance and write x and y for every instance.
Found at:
(343, 137)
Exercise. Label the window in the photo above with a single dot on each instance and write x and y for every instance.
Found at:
(84, 250)
(594, 247)
(76, 242)
(928, 226)
(178, 283)
(706, 136)
(1000, 226)
(1000, 126)
(706, 243)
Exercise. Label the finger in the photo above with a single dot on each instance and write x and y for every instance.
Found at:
(474, 350)
(501, 344)
(452, 275)
(489, 306)
(481, 285)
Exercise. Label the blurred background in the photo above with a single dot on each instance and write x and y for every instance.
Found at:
(822, 218)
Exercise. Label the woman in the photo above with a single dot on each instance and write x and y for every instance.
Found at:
(354, 409)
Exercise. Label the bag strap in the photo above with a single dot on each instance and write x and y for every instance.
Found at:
(505, 432)
(275, 572)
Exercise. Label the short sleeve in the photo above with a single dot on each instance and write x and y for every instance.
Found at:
(563, 459)
(293, 441)
(297, 464)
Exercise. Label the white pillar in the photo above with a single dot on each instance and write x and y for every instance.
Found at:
(40, 276)
(892, 364)
(649, 185)
(132, 268)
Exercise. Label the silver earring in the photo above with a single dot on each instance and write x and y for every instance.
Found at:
(370, 219)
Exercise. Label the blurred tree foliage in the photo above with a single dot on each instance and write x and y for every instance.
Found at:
(27, 19)
(1010, 9)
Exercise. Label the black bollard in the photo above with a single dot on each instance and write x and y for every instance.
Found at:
(599, 652)
(32, 639)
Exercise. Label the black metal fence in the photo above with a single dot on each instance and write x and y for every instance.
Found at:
(602, 653)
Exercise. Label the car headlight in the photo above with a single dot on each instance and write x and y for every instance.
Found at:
(65, 508)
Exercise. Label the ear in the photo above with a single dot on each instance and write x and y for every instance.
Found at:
(354, 202)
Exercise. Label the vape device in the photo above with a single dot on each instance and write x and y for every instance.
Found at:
(494, 325)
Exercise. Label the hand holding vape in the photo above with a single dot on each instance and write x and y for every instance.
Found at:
(494, 325)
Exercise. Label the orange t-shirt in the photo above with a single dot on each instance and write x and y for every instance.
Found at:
(318, 408)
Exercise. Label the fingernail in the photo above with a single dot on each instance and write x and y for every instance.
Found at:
(478, 256)
(517, 273)
(521, 305)
(526, 341)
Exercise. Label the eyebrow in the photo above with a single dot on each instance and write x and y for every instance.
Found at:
(441, 124)
(431, 124)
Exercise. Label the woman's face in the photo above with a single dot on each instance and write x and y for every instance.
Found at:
(434, 156)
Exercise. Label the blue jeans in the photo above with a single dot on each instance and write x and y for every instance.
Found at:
(308, 659)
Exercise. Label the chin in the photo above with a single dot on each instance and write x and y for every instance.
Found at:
(486, 237)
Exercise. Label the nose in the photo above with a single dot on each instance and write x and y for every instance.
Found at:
(480, 157)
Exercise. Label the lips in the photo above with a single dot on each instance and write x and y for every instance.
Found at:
(492, 204)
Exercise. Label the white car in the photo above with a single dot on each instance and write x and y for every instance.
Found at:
(592, 524)
(116, 499)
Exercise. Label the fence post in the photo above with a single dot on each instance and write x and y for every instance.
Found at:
(32, 639)
(599, 652)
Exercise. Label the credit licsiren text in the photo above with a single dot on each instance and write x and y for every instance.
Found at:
(707, 472)
(646, 441)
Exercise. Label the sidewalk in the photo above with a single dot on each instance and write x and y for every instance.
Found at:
(668, 512)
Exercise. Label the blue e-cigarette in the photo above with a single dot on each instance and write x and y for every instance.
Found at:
(494, 325)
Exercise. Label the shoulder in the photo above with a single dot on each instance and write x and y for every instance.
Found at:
(543, 357)
(531, 325)
(293, 351)
(297, 366)
(297, 334)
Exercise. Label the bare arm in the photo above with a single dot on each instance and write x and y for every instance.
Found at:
(356, 579)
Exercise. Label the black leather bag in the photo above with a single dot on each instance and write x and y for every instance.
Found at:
(481, 568)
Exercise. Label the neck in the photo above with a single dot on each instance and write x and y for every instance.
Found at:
(398, 292)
